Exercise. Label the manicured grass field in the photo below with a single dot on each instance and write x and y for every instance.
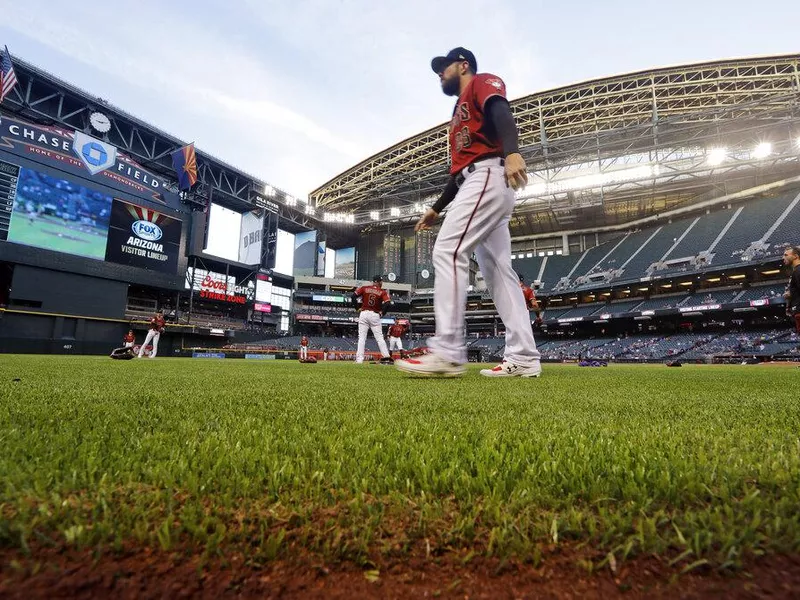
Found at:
(700, 465)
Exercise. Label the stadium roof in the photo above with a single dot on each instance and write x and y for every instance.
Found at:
(606, 151)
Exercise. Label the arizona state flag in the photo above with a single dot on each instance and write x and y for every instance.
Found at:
(184, 162)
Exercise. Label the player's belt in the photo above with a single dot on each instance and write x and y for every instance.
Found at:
(462, 175)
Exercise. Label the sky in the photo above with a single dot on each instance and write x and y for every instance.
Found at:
(297, 91)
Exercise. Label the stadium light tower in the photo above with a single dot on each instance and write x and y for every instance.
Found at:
(716, 156)
(375, 215)
(763, 150)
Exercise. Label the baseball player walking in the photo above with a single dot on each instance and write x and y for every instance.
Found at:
(531, 303)
(374, 300)
(157, 324)
(486, 167)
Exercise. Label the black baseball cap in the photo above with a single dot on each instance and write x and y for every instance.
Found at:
(377, 278)
(440, 63)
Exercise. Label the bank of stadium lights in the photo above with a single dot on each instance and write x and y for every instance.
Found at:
(716, 156)
(310, 211)
(375, 215)
(339, 218)
(394, 211)
(593, 180)
(763, 150)
(269, 191)
(290, 200)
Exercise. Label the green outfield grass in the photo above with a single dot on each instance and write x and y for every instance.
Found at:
(54, 234)
(700, 465)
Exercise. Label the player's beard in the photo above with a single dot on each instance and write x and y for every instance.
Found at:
(451, 85)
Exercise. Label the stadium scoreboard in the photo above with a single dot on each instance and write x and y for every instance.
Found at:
(9, 175)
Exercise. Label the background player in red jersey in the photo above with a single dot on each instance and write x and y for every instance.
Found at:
(374, 301)
(126, 351)
(791, 258)
(486, 167)
(157, 324)
(531, 302)
(303, 348)
(129, 340)
(396, 332)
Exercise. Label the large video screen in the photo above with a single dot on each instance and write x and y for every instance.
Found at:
(45, 211)
(143, 238)
(345, 263)
(59, 215)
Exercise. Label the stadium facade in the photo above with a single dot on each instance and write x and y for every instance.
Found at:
(658, 197)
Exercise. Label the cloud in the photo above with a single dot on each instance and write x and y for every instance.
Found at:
(231, 85)
(292, 92)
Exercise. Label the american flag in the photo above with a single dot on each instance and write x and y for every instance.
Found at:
(8, 79)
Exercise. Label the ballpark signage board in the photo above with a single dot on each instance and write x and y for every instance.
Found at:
(250, 237)
(208, 355)
(80, 154)
(142, 237)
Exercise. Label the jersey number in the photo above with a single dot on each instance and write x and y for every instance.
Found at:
(463, 139)
(371, 301)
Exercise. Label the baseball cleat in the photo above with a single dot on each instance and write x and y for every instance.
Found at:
(430, 365)
(509, 369)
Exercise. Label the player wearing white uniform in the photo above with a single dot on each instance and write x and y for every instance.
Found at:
(157, 324)
(486, 168)
(374, 300)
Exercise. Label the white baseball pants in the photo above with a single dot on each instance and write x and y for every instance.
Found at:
(369, 320)
(477, 220)
(303, 352)
(154, 336)
(395, 343)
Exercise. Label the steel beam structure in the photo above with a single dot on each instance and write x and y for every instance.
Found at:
(655, 114)
(43, 98)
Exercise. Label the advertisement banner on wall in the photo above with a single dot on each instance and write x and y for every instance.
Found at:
(250, 237)
(80, 154)
(141, 237)
(219, 287)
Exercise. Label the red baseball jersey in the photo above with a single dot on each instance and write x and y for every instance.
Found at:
(396, 331)
(372, 297)
(304, 341)
(468, 136)
(157, 323)
(129, 337)
(530, 296)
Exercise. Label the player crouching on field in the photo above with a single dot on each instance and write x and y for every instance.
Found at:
(126, 351)
(374, 302)
(485, 170)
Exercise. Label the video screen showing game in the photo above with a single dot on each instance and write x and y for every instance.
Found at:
(59, 215)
